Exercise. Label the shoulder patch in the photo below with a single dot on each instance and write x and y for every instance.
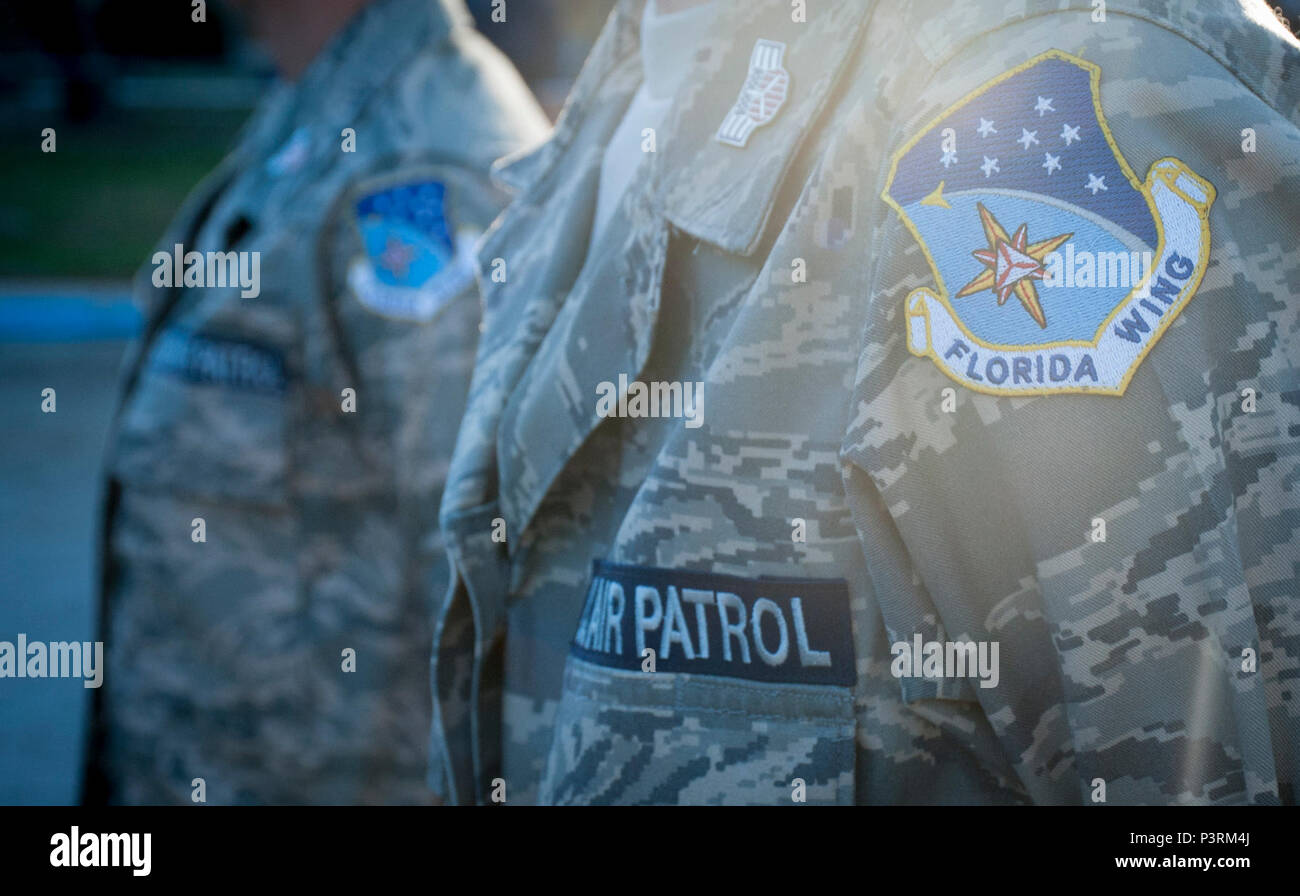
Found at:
(414, 261)
(1057, 269)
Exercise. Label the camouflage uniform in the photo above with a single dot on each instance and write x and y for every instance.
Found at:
(226, 656)
(776, 273)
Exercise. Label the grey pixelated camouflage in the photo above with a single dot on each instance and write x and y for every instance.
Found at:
(225, 657)
(1125, 655)
(1120, 660)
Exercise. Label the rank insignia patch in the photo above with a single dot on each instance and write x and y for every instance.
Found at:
(413, 264)
(1057, 269)
(761, 96)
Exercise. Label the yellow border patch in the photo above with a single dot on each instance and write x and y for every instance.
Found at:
(1167, 174)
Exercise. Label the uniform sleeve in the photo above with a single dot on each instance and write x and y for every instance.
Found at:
(1096, 479)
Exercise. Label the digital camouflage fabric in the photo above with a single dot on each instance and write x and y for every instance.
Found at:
(280, 652)
(837, 474)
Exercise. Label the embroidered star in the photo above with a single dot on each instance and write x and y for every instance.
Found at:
(1095, 183)
(1051, 162)
(989, 166)
(1013, 264)
(1027, 137)
(1069, 134)
(1043, 106)
(949, 157)
(986, 128)
(397, 257)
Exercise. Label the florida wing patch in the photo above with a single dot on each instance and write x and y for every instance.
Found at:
(1057, 269)
(414, 263)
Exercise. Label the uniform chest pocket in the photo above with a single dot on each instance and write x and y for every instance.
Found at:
(685, 687)
(207, 417)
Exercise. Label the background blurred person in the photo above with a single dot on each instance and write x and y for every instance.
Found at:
(271, 559)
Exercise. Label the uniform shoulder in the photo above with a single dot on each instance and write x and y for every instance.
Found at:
(461, 99)
(942, 45)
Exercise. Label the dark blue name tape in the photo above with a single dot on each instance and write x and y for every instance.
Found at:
(221, 361)
(795, 631)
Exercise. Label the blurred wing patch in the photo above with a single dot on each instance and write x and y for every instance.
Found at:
(414, 261)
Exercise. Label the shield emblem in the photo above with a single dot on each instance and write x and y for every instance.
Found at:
(412, 265)
(1057, 268)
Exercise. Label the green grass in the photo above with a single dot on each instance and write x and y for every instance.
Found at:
(97, 206)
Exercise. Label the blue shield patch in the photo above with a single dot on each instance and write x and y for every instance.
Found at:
(1057, 269)
(413, 265)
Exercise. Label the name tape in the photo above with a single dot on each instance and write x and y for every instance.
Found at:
(220, 361)
(794, 631)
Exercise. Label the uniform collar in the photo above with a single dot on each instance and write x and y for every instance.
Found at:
(668, 44)
(605, 327)
(531, 387)
(723, 194)
(542, 238)
(714, 192)
(378, 40)
(356, 63)
(619, 42)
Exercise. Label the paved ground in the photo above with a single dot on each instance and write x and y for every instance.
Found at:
(49, 489)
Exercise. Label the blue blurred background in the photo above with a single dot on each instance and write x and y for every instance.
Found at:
(144, 102)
